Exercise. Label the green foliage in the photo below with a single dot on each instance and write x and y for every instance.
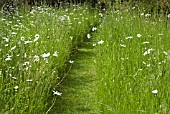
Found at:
(35, 48)
(132, 63)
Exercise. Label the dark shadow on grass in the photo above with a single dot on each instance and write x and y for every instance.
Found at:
(78, 87)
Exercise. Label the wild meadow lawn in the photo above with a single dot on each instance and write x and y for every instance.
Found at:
(35, 47)
(133, 63)
(132, 58)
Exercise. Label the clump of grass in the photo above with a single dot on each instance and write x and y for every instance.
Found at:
(35, 46)
(132, 64)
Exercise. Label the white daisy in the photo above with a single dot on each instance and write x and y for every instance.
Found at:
(101, 42)
(139, 35)
(88, 36)
(71, 61)
(36, 37)
(55, 54)
(45, 55)
(155, 91)
(57, 93)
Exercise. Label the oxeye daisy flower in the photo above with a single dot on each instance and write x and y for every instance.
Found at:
(160, 34)
(8, 58)
(14, 33)
(94, 29)
(27, 42)
(36, 37)
(36, 58)
(71, 37)
(147, 15)
(139, 35)
(101, 42)
(29, 80)
(26, 63)
(57, 93)
(13, 48)
(45, 55)
(16, 87)
(6, 39)
(129, 37)
(122, 45)
(71, 61)
(145, 43)
(148, 51)
(94, 44)
(55, 54)
(6, 45)
(155, 91)
(22, 38)
(88, 36)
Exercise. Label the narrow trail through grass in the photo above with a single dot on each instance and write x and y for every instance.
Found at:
(79, 87)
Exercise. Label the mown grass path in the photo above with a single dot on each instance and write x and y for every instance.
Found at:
(79, 87)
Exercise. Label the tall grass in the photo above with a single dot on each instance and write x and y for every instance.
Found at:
(132, 63)
(35, 46)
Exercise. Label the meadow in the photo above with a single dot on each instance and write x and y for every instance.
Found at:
(131, 60)
(36, 45)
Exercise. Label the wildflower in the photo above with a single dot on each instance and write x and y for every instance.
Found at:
(142, 14)
(27, 42)
(144, 62)
(36, 58)
(16, 87)
(122, 45)
(160, 34)
(36, 37)
(148, 51)
(129, 37)
(148, 65)
(25, 55)
(88, 36)
(6, 45)
(26, 63)
(100, 14)
(71, 61)
(8, 58)
(145, 43)
(155, 91)
(164, 52)
(13, 48)
(147, 15)
(94, 44)
(71, 37)
(14, 78)
(29, 80)
(14, 33)
(45, 55)
(3, 19)
(101, 42)
(122, 58)
(168, 16)
(94, 29)
(139, 35)
(22, 38)
(57, 93)
(6, 39)
(55, 54)
(133, 8)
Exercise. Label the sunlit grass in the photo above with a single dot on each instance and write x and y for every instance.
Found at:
(132, 63)
(35, 46)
